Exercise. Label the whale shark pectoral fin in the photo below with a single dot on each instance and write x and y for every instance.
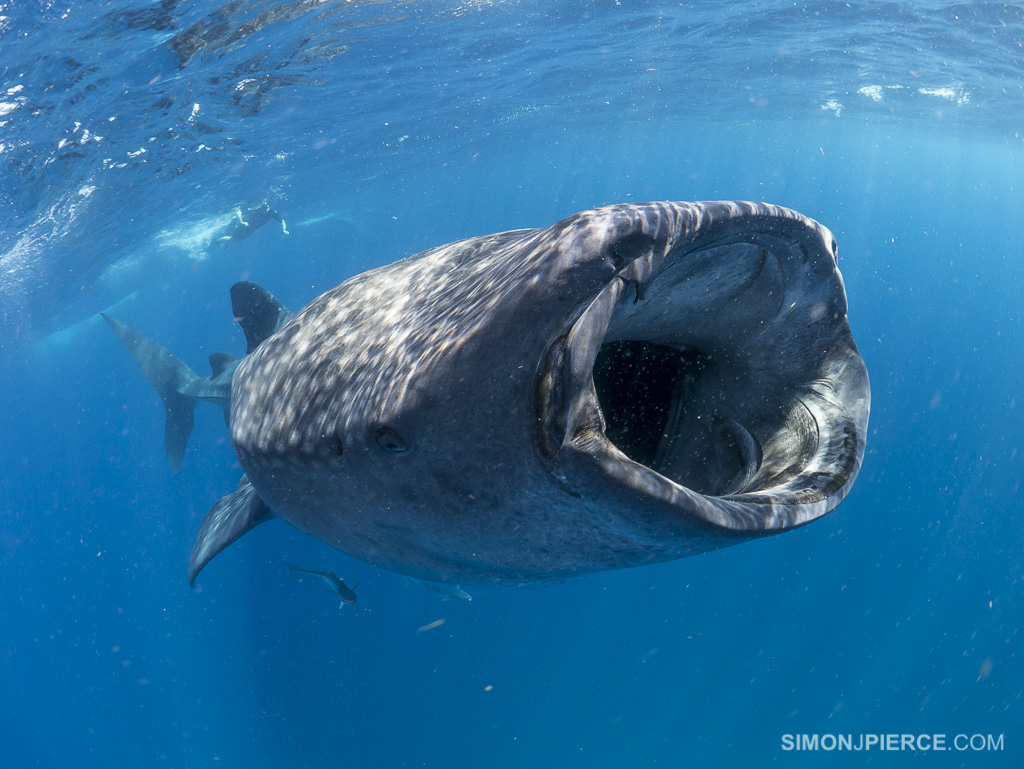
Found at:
(257, 311)
(227, 520)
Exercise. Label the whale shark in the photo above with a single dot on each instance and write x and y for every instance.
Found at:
(633, 384)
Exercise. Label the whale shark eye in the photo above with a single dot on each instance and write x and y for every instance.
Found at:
(389, 440)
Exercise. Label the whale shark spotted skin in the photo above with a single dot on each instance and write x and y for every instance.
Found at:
(633, 384)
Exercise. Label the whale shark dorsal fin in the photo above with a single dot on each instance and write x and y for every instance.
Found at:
(227, 520)
(219, 362)
(257, 311)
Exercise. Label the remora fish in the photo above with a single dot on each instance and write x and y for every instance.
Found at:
(444, 592)
(330, 580)
(633, 384)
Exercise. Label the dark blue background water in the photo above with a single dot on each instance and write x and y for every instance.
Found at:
(899, 612)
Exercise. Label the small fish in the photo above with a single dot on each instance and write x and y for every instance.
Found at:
(331, 581)
(430, 626)
(445, 592)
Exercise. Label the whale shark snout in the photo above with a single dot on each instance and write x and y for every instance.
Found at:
(633, 384)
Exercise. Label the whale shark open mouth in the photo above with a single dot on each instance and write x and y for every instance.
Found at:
(672, 375)
(718, 379)
(645, 391)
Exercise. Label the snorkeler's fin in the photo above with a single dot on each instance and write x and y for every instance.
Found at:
(171, 378)
(227, 520)
(258, 312)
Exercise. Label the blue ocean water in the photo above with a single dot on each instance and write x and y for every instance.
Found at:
(129, 132)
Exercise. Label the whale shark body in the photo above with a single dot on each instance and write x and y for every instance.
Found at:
(633, 384)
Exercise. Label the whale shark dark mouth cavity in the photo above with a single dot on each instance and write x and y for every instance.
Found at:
(642, 388)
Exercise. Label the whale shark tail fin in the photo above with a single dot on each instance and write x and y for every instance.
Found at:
(295, 571)
(171, 378)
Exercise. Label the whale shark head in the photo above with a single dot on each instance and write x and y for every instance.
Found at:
(632, 384)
